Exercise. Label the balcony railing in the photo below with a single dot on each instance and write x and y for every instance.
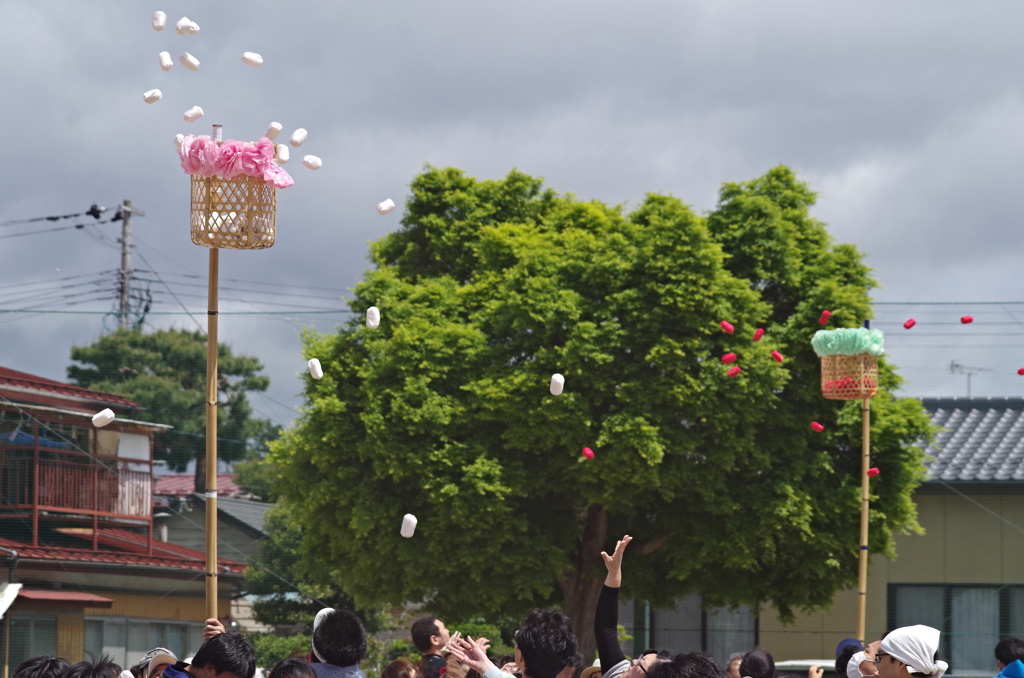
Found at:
(75, 483)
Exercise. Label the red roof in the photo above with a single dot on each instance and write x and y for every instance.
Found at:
(184, 484)
(117, 547)
(77, 598)
(24, 387)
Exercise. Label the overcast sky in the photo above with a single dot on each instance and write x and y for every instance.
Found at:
(905, 118)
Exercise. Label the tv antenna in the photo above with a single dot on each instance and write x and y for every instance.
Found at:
(957, 368)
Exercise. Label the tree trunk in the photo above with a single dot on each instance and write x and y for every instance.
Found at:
(581, 586)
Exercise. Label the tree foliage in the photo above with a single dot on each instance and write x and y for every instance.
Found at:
(443, 411)
(289, 591)
(165, 372)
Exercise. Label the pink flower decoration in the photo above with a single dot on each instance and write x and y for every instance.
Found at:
(758, 333)
(729, 358)
(823, 319)
(197, 155)
(588, 453)
(910, 323)
(276, 176)
(733, 371)
(202, 157)
(727, 326)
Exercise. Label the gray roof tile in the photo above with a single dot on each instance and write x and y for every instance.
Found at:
(980, 439)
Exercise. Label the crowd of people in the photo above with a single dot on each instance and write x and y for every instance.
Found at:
(545, 647)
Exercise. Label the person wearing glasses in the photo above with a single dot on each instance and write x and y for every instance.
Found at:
(606, 624)
(910, 649)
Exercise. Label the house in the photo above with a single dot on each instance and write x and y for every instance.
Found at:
(964, 575)
(80, 566)
(180, 515)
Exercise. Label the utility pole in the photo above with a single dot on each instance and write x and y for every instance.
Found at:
(124, 287)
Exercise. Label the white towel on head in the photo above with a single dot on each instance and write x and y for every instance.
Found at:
(915, 646)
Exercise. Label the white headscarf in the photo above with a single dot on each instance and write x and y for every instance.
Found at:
(915, 646)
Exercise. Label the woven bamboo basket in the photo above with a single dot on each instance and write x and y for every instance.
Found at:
(849, 377)
(238, 214)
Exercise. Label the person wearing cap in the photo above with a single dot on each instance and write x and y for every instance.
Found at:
(338, 644)
(155, 661)
(592, 671)
(910, 649)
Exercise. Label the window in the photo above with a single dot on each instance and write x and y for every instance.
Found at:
(30, 636)
(717, 631)
(125, 640)
(972, 619)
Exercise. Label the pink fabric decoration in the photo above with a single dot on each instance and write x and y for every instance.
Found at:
(823, 320)
(727, 326)
(588, 453)
(201, 156)
(777, 356)
(910, 323)
(967, 320)
(758, 333)
(733, 371)
(873, 471)
(818, 428)
(729, 358)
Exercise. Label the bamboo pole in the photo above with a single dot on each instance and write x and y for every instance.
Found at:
(862, 579)
(211, 424)
(211, 439)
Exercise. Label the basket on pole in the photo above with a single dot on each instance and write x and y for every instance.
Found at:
(233, 206)
(849, 371)
(849, 377)
(237, 214)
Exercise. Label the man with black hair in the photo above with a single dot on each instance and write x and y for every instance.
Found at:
(429, 635)
(545, 646)
(687, 665)
(1010, 658)
(225, 655)
(758, 663)
(44, 666)
(102, 668)
(339, 644)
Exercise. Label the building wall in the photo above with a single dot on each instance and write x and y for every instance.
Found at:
(977, 540)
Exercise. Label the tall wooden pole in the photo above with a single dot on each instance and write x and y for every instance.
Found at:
(211, 439)
(865, 463)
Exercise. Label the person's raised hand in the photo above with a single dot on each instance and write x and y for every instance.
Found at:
(613, 563)
(213, 627)
(815, 671)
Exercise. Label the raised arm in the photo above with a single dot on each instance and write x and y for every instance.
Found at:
(606, 617)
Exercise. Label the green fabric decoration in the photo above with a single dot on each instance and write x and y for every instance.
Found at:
(848, 341)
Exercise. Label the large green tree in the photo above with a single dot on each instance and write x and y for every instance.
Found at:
(165, 372)
(444, 412)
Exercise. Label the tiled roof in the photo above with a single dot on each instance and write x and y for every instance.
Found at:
(183, 484)
(35, 388)
(980, 439)
(79, 598)
(117, 547)
(246, 511)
